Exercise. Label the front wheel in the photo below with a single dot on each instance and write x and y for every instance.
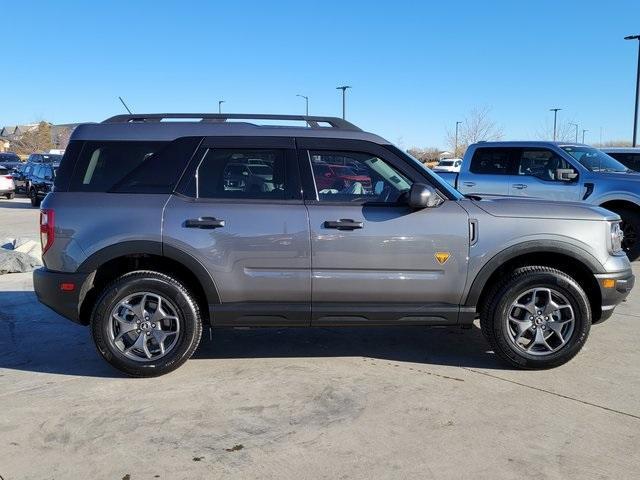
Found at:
(146, 324)
(538, 317)
(631, 229)
(33, 195)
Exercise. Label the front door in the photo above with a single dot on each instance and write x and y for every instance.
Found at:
(240, 213)
(375, 260)
(537, 175)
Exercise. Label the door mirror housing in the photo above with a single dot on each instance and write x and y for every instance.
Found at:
(423, 196)
(566, 174)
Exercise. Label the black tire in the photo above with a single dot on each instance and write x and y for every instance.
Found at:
(10, 196)
(631, 229)
(33, 195)
(495, 326)
(158, 283)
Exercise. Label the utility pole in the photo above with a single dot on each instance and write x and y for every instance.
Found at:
(220, 102)
(583, 132)
(306, 99)
(575, 125)
(555, 120)
(125, 105)
(637, 105)
(455, 150)
(344, 91)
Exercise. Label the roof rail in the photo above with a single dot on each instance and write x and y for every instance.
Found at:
(312, 121)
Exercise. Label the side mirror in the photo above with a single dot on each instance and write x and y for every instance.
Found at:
(423, 196)
(566, 174)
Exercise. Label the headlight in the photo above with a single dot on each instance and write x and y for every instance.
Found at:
(616, 235)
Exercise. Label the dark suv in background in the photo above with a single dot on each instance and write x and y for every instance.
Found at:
(158, 227)
(41, 181)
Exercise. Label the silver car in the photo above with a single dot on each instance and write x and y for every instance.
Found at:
(148, 237)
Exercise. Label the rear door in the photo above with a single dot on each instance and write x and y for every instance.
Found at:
(249, 230)
(375, 260)
(537, 175)
(488, 173)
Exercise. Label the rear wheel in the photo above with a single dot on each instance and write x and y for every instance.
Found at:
(538, 317)
(10, 196)
(631, 228)
(33, 195)
(146, 324)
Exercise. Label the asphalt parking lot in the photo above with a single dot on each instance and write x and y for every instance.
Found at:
(310, 403)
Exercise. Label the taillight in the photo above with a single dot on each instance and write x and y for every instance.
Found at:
(8, 177)
(47, 224)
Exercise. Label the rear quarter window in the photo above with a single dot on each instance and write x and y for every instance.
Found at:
(129, 166)
(491, 161)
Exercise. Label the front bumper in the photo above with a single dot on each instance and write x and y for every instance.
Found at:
(616, 294)
(47, 285)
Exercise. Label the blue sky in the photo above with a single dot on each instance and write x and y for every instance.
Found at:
(415, 67)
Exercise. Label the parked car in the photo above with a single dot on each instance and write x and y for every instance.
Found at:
(560, 172)
(629, 157)
(22, 177)
(7, 187)
(41, 181)
(448, 165)
(144, 240)
(10, 160)
(44, 158)
(338, 177)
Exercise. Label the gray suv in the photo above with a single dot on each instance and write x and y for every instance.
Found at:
(157, 227)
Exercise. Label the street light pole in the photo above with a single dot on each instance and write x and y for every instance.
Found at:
(575, 125)
(306, 99)
(455, 151)
(637, 105)
(555, 120)
(583, 132)
(344, 90)
(220, 102)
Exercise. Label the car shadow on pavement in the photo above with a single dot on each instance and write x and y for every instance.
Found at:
(33, 338)
(436, 346)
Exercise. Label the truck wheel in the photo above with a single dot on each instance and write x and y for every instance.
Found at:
(538, 317)
(10, 196)
(146, 324)
(631, 228)
(33, 195)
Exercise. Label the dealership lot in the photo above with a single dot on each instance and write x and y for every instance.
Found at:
(310, 403)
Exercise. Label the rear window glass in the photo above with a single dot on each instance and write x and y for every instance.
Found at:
(4, 171)
(131, 166)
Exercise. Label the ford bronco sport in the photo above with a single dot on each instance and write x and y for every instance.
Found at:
(149, 235)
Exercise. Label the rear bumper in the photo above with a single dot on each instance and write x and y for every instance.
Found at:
(4, 191)
(612, 297)
(47, 285)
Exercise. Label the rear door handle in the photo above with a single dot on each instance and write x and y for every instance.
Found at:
(519, 186)
(469, 184)
(206, 223)
(343, 224)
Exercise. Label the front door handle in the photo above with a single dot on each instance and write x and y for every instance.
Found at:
(343, 224)
(469, 184)
(519, 186)
(206, 223)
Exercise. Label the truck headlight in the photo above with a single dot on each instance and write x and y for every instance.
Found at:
(616, 235)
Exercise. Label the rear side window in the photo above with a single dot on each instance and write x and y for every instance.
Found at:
(491, 161)
(131, 166)
(240, 173)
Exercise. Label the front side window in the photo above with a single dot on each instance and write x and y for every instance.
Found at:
(541, 163)
(491, 161)
(240, 173)
(356, 177)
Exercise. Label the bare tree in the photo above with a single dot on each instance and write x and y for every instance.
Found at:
(565, 131)
(36, 139)
(425, 155)
(476, 127)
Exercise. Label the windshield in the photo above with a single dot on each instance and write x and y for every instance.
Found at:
(595, 160)
(434, 177)
(446, 163)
